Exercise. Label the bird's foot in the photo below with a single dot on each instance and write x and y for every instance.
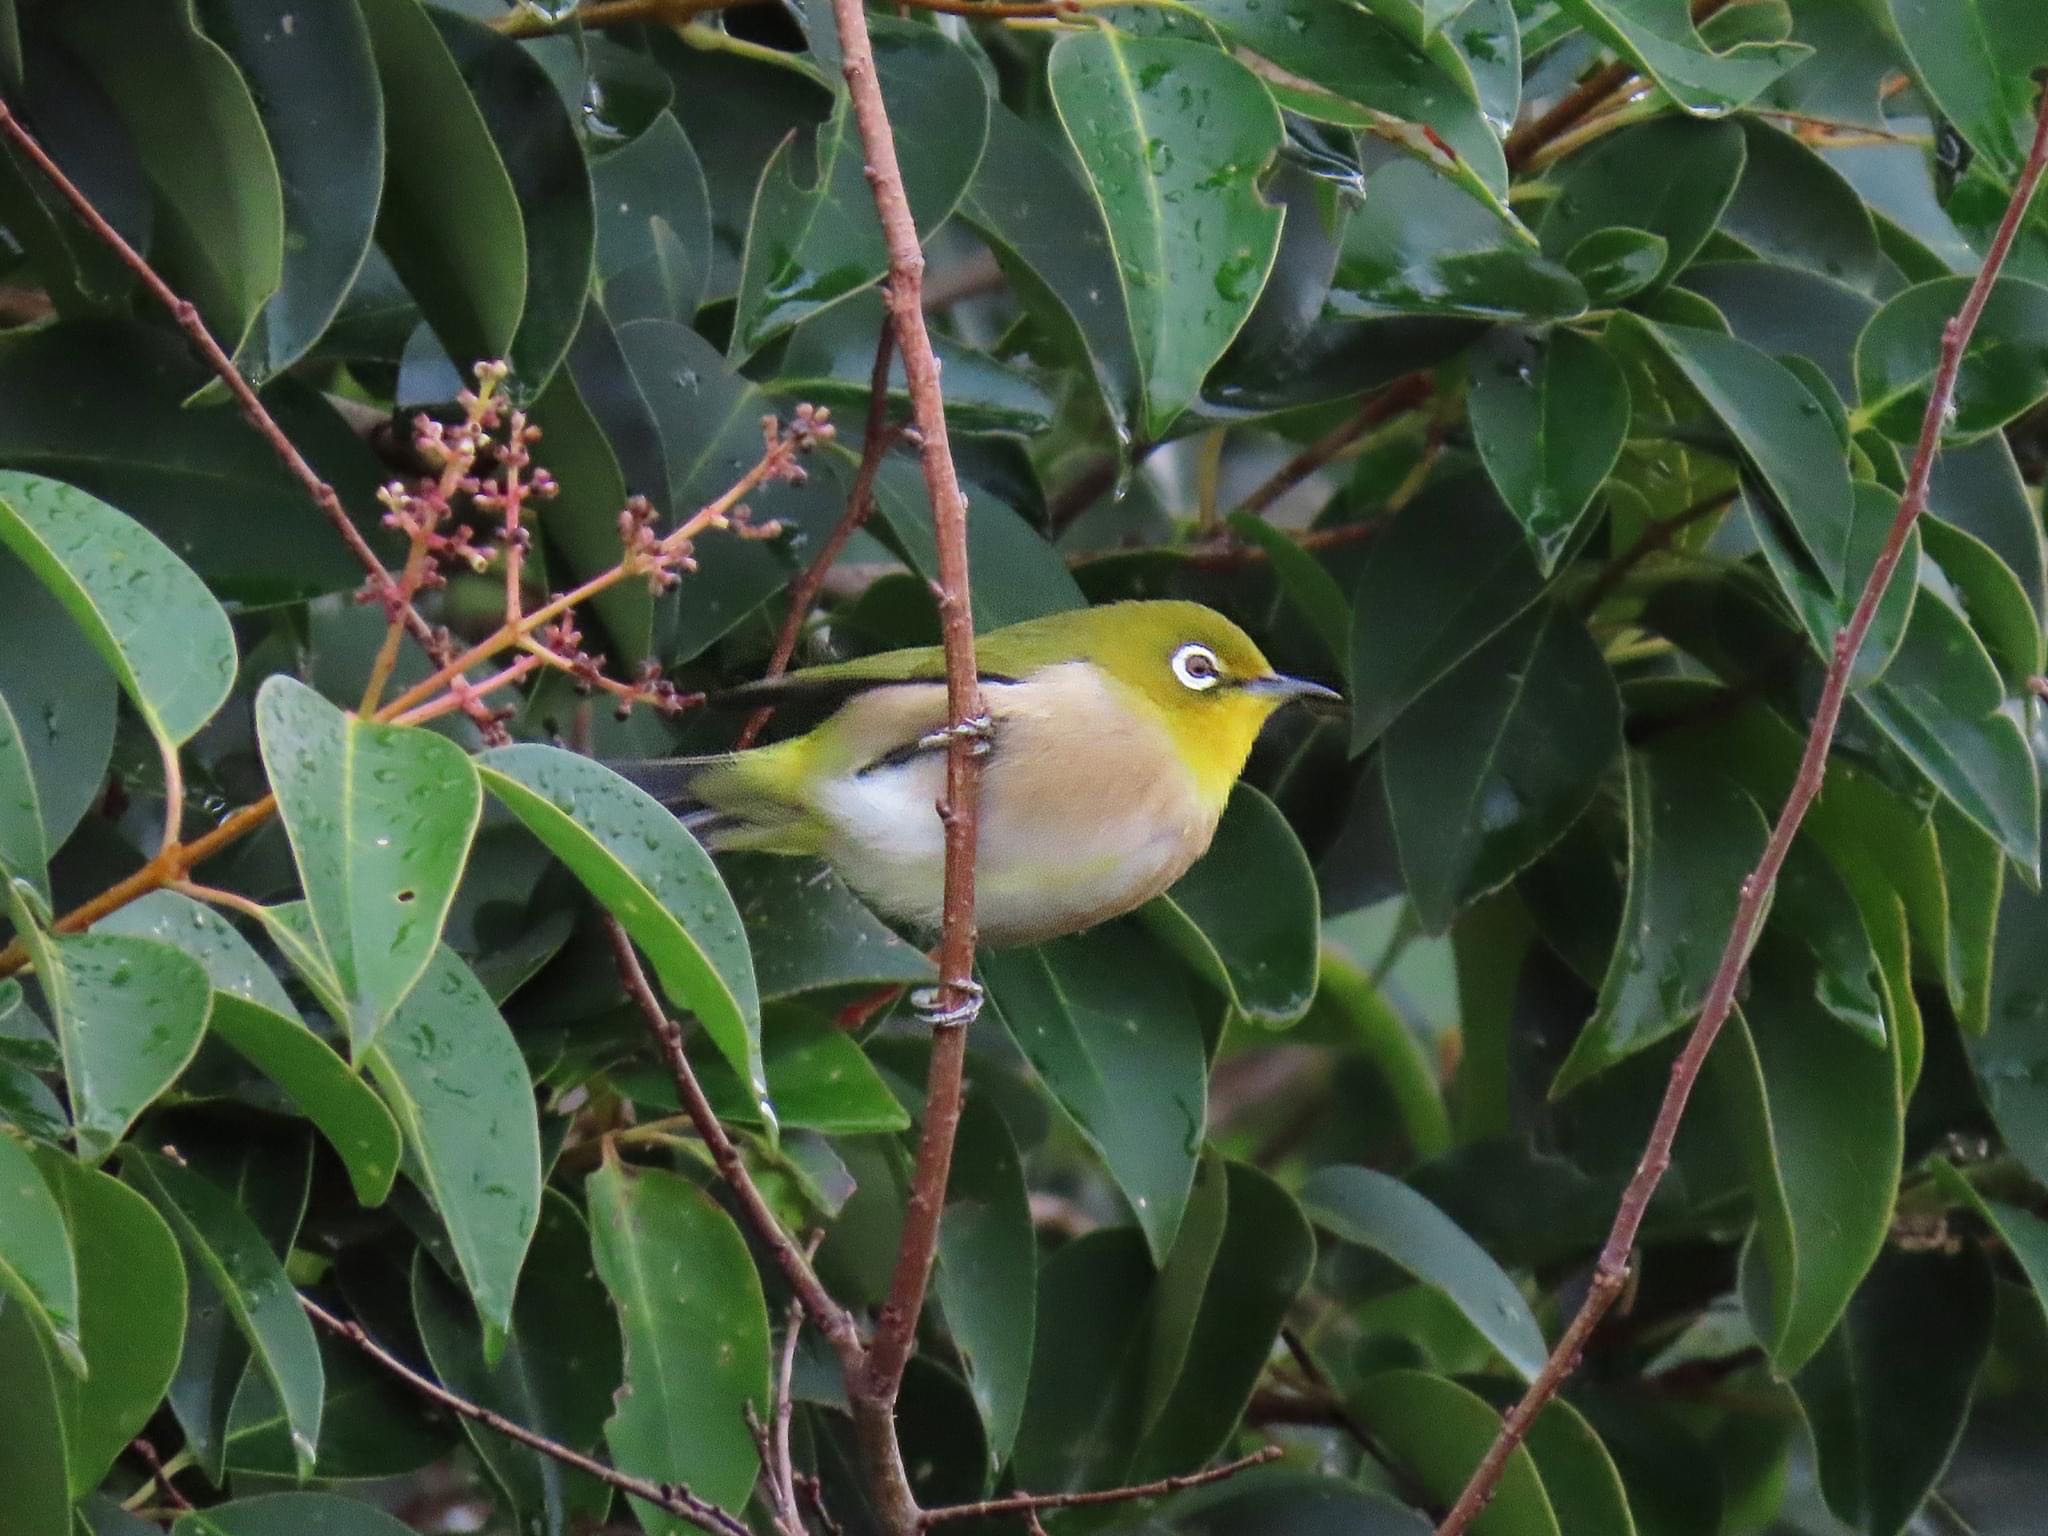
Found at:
(977, 730)
(930, 1008)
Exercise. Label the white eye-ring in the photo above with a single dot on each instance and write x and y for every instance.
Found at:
(1196, 667)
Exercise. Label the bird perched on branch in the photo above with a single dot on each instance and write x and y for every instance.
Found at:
(1113, 737)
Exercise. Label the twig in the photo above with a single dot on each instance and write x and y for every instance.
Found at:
(833, 1320)
(1407, 391)
(1660, 535)
(874, 1391)
(671, 1497)
(860, 505)
(778, 1465)
(616, 13)
(1584, 99)
(159, 1474)
(187, 316)
(1033, 1503)
(1611, 1271)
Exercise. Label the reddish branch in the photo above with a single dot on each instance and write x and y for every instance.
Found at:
(672, 1497)
(1405, 392)
(1610, 1274)
(874, 1391)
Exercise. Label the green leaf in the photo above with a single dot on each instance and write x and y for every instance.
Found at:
(1422, 246)
(2004, 372)
(1030, 204)
(1992, 598)
(1793, 206)
(1825, 602)
(1584, 1485)
(37, 1267)
(1017, 574)
(52, 679)
(1307, 585)
(1886, 1397)
(1262, 953)
(131, 1310)
(1085, 1411)
(1616, 263)
(650, 874)
(985, 1277)
(1276, 1500)
(1658, 37)
(1447, 574)
(653, 226)
(1694, 837)
(122, 586)
(1941, 703)
(380, 819)
(2010, 1057)
(818, 1080)
(1488, 768)
(32, 1451)
(251, 1011)
(1363, 1206)
(219, 205)
(1261, 1260)
(1111, 1027)
(223, 1243)
(24, 849)
(556, 1376)
(457, 1085)
(844, 943)
(1439, 1430)
(696, 1334)
(551, 182)
(463, 259)
(1194, 241)
(290, 1514)
(1549, 412)
(1669, 177)
(1782, 431)
(1815, 1110)
(1972, 58)
(808, 247)
(129, 1014)
(172, 467)
(1345, 49)
(315, 87)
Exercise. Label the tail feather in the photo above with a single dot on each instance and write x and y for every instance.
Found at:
(671, 780)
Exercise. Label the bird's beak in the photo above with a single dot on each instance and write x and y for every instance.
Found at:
(1275, 685)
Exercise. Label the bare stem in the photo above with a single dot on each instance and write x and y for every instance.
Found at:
(1611, 1272)
(874, 1391)
(672, 1497)
(1405, 392)
(1034, 1503)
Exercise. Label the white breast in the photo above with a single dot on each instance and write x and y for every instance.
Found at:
(1086, 811)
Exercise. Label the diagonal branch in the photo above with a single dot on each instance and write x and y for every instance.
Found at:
(874, 1390)
(1035, 1503)
(1611, 1272)
(672, 1497)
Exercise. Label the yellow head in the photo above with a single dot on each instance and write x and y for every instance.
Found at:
(1197, 671)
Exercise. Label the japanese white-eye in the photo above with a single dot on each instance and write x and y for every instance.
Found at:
(1115, 734)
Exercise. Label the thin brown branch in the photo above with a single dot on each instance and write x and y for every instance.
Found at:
(1034, 1503)
(860, 506)
(671, 1497)
(1404, 393)
(187, 316)
(600, 14)
(1610, 1274)
(158, 1474)
(833, 1320)
(874, 1390)
(1584, 99)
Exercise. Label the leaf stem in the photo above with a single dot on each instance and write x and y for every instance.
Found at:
(1610, 1273)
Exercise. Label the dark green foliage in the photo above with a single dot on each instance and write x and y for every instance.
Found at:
(1565, 449)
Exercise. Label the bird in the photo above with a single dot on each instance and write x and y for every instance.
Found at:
(1112, 738)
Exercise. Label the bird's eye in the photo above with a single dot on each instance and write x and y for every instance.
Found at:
(1196, 667)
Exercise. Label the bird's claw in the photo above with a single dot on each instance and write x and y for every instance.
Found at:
(926, 1000)
(976, 730)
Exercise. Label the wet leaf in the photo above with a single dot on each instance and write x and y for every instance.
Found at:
(696, 1335)
(844, 943)
(38, 1271)
(650, 874)
(1439, 1430)
(1670, 177)
(24, 849)
(121, 585)
(1658, 37)
(380, 819)
(2004, 371)
(1193, 238)
(289, 1514)
(32, 1451)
